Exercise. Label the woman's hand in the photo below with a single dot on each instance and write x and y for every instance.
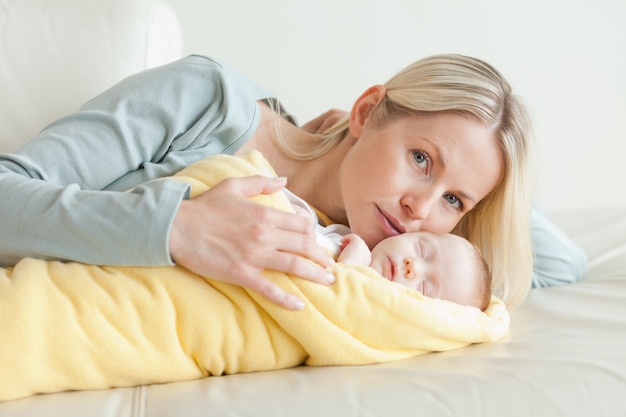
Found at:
(223, 235)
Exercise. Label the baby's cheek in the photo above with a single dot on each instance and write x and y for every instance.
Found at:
(377, 266)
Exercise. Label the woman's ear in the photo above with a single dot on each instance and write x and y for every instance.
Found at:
(363, 106)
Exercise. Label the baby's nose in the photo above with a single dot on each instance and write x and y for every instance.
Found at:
(410, 268)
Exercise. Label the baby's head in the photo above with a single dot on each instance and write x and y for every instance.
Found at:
(442, 266)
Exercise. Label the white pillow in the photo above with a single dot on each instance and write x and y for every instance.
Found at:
(57, 54)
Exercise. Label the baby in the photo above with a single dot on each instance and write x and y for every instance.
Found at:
(442, 266)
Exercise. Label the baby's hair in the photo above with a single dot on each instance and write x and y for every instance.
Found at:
(483, 279)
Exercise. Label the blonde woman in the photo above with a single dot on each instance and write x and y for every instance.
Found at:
(457, 87)
(443, 146)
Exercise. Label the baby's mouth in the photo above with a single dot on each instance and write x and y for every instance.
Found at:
(392, 270)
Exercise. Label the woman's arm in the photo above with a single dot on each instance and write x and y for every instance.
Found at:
(557, 259)
(64, 195)
(51, 191)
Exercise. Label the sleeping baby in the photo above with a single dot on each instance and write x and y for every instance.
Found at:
(443, 266)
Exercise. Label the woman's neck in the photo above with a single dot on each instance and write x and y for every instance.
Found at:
(316, 180)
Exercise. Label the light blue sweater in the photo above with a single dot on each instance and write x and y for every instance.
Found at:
(148, 126)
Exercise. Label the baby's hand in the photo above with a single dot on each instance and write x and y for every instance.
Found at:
(354, 250)
(350, 239)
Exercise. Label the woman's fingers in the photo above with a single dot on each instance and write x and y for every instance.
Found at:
(252, 185)
(223, 235)
(274, 293)
(284, 231)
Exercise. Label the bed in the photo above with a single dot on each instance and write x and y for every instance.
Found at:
(564, 354)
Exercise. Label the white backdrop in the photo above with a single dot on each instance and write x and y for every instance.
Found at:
(567, 58)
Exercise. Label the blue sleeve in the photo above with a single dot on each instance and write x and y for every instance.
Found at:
(558, 260)
(65, 194)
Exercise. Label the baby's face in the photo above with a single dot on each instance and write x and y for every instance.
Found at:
(437, 265)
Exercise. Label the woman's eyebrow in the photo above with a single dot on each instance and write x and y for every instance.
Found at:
(465, 196)
(440, 160)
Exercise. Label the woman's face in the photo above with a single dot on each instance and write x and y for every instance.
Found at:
(418, 173)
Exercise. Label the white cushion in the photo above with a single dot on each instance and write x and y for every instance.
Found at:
(56, 54)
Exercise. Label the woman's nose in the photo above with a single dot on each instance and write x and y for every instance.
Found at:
(420, 205)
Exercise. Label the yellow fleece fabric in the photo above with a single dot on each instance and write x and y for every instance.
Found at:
(71, 326)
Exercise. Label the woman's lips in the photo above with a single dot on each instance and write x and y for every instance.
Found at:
(390, 224)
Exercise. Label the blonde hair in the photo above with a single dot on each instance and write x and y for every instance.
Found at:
(500, 224)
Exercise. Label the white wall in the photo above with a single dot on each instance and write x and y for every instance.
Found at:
(566, 57)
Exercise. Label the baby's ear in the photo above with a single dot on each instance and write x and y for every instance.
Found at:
(363, 107)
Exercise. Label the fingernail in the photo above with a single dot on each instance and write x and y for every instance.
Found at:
(330, 278)
(297, 304)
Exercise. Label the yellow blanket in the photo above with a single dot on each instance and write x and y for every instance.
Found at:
(70, 326)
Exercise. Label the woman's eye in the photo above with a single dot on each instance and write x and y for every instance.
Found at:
(454, 201)
(422, 159)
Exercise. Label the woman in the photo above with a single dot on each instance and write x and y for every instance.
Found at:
(442, 146)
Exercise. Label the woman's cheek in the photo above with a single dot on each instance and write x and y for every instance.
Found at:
(440, 223)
